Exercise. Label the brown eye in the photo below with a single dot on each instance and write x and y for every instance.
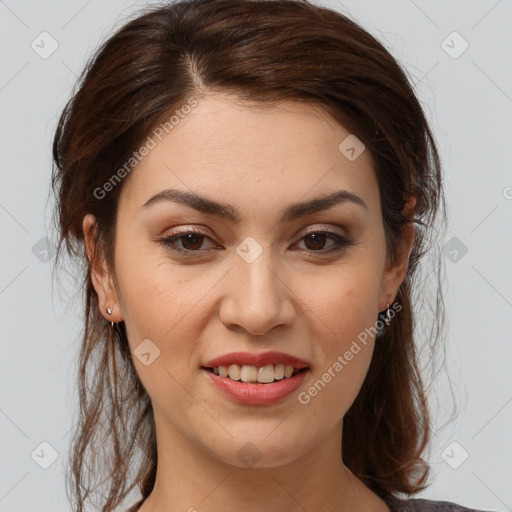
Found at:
(316, 240)
(190, 241)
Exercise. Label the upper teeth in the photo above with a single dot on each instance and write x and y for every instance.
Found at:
(249, 373)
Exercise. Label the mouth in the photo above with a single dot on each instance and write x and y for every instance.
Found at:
(256, 379)
(256, 374)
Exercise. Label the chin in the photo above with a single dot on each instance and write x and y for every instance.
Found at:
(259, 450)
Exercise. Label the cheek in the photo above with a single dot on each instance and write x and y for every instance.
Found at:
(160, 306)
(342, 310)
(165, 303)
(151, 289)
(342, 302)
(344, 350)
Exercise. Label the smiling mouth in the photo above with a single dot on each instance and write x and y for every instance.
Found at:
(258, 375)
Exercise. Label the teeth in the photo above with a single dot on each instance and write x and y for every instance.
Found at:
(266, 373)
(234, 372)
(250, 373)
(279, 371)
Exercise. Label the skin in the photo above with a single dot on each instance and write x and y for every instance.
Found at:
(290, 299)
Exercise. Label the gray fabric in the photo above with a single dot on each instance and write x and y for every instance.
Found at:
(424, 505)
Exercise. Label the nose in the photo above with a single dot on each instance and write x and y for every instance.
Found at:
(257, 298)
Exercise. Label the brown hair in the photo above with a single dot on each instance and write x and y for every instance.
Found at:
(263, 51)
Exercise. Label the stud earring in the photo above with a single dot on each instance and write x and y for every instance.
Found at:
(109, 311)
(387, 320)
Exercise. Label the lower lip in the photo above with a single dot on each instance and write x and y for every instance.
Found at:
(249, 393)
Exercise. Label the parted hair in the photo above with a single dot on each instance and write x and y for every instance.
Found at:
(262, 51)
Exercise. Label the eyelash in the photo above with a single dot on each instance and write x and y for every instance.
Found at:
(170, 241)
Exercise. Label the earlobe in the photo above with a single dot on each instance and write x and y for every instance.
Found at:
(395, 272)
(100, 275)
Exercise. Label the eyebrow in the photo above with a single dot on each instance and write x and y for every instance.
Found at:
(228, 212)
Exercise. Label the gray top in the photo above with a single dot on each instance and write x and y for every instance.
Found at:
(424, 505)
(399, 505)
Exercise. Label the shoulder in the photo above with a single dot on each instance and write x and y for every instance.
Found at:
(424, 505)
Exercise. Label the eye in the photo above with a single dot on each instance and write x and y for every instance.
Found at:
(315, 240)
(191, 241)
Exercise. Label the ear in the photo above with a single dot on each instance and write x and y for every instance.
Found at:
(394, 273)
(100, 274)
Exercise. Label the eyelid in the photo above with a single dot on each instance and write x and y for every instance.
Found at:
(199, 229)
(321, 227)
(187, 229)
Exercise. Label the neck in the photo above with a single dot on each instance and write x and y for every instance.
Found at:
(191, 479)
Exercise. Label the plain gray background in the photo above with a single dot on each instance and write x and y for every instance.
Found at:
(468, 99)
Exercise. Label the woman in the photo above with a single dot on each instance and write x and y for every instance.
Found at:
(250, 186)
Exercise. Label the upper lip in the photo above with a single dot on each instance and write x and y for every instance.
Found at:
(262, 359)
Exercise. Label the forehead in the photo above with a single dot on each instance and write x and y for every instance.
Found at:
(251, 153)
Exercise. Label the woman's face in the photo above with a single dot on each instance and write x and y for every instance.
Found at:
(254, 279)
